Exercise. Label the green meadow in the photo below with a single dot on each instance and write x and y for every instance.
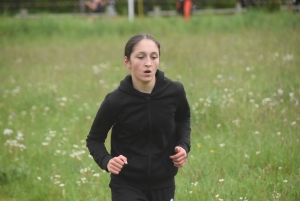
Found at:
(242, 78)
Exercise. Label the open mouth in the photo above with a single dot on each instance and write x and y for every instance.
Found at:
(147, 71)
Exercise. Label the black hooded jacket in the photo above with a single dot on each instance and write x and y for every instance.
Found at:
(145, 129)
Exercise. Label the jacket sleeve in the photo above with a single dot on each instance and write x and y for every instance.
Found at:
(102, 123)
(183, 122)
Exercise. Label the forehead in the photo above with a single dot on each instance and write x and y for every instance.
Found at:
(146, 45)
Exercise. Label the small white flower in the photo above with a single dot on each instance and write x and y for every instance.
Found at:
(83, 180)
(8, 131)
(246, 156)
(64, 99)
(288, 57)
(61, 185)
(39, 178)
(222, 145)
(217, 195)
(258, 152)
(96, 174)
(293, 123)
(285, 181)
(218, 125)
(221, 180)
(45, 143)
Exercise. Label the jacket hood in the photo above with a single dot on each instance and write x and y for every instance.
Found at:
(161, 84)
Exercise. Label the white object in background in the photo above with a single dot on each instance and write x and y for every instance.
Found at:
(130, 10)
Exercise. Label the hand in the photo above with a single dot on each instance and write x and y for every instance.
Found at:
(179, 159)
(115, 164)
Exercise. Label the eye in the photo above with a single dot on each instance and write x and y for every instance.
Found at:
(154, 57)
(140, 57)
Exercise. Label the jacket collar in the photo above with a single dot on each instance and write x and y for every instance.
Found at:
(161, 84)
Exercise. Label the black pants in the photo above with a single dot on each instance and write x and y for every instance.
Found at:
(121, 191)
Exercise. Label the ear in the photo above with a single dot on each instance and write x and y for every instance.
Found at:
(127, 62)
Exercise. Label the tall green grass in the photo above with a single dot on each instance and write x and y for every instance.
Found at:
(241, 74)
(81, 27)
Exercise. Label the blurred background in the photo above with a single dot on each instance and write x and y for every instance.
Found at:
(141, 7)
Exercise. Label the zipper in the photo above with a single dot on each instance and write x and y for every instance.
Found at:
(150, 141)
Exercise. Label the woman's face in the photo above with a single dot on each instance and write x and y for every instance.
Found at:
(143, 62)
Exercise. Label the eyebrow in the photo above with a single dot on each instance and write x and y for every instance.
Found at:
(146, 53)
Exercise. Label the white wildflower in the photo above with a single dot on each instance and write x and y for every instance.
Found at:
(222, 145)
(8, 131)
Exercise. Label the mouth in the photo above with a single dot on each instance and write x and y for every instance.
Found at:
(147, 71)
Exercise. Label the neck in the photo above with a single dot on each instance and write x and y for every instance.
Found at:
(144, 87)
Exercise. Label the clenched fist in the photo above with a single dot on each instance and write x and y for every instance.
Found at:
(116, 164)
(179, 159)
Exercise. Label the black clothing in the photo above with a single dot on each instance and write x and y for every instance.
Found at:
(145, 129)
(121, 191)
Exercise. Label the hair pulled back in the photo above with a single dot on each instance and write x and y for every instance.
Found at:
(134, 40)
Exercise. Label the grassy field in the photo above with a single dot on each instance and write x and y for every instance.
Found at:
(242, 78)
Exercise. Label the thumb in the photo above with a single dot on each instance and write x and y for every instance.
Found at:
(123, 158)
(177, 149)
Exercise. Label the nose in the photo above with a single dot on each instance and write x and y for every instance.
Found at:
(148, 62)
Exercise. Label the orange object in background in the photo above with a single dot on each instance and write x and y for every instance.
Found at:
(187, 9)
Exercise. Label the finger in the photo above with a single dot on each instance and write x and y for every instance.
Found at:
(179, 163)
(178, 155)
(179, 160)
(118, 160)
(177, 149)
(117, 163)
(115, 169)
(123, 158)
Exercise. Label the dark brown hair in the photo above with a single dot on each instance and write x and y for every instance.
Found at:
(134, 40)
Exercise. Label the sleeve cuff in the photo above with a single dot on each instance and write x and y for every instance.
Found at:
(104, 162)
